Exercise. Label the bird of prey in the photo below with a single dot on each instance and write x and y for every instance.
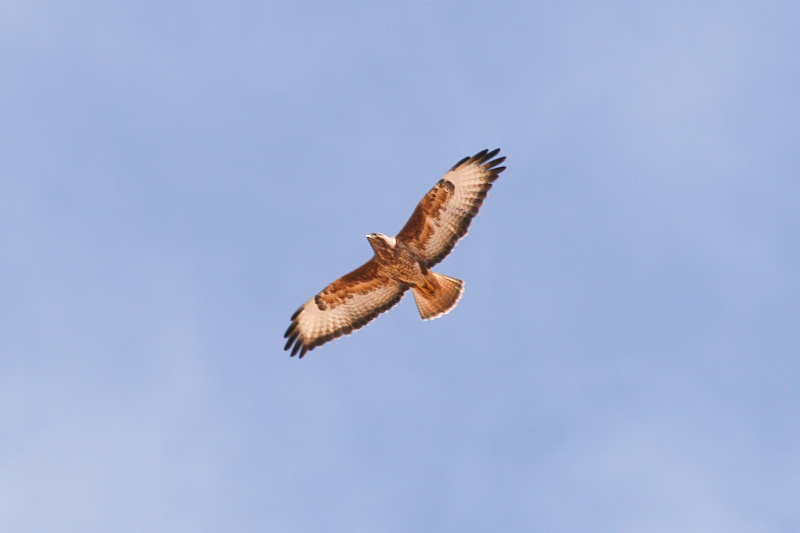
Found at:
(402, 262)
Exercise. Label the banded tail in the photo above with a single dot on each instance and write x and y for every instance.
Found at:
(439, 297)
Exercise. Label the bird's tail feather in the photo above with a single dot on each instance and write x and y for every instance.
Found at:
(439, 297)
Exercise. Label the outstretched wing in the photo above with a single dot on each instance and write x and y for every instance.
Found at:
(345, 305)
(444, 214)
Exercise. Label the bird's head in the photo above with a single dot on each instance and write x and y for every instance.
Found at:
(380, 241)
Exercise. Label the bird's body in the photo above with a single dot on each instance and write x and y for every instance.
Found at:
(397, 259)
(402, 262)
(434, 293)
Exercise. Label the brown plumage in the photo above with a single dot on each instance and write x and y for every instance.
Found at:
(403, 262)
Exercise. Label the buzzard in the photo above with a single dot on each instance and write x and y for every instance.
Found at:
(402, 262)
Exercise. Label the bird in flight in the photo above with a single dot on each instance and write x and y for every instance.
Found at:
(402, 262)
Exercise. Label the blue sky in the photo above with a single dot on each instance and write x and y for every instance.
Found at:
(176, 179)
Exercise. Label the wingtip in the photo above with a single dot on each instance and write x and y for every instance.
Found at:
(481, 157)
(297, 345)
(492, 153)
(494, 162)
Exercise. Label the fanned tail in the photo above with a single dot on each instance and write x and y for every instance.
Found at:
(439, 297)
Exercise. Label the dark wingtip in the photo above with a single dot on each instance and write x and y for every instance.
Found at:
(291, 340)
(492, 153)
(297, 345)
(481, 157)
(494, 162)
(460, 163)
